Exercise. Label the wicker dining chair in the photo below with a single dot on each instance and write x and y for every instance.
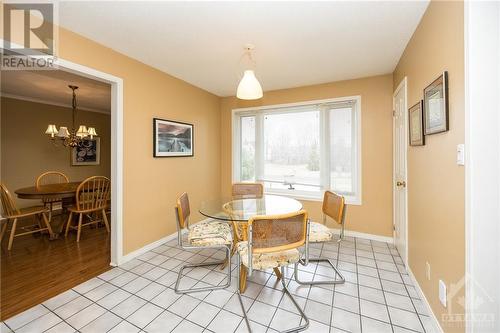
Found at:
(12, 213)
(274, 241)
(333, 207)
(242, 189)
(91, 197)
(51, 177)
(204, 235)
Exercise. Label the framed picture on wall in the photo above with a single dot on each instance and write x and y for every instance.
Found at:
(416, 125)
(172, 138)
(88, 153)
(436, 106)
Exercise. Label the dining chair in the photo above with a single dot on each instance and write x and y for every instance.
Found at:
(51, 177)
(333, 207)
(274, 241)
(91, 197)
(203, 235)
(12, 213)
(241, 189)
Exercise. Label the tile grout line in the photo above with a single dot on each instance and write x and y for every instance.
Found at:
(411, 299)
(383, 291)
(357, 279)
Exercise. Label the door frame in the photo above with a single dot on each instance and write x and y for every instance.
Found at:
(402, 85)
(116, 149)
(116, 84)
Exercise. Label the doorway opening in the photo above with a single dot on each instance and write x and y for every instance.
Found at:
(53, 266)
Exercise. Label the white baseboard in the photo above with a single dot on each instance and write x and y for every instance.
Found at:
(434, 320)
(150, 246)
(357, 234)
(144, 249)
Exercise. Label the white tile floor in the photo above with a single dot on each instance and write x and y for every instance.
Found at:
(139, 297)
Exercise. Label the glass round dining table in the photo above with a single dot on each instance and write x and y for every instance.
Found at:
(242, 208)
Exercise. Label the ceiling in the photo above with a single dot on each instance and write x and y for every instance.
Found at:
(51, 87)
(296, 43)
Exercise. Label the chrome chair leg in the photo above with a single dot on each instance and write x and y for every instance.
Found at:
(216, 263)
(287, 292)
(332, 265)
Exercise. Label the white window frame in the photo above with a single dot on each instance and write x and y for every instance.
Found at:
(236, 114)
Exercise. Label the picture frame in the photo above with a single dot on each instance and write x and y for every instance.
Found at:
(172, 138)
(88, 153)
(436, 109)
(416, 124)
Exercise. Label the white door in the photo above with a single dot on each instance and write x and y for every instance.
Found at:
(399, 174)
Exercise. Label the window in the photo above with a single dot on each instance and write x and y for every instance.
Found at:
(302, 149)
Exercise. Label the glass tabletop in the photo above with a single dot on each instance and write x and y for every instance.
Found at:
(242, 208)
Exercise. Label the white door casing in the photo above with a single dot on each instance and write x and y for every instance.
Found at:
(400, 189)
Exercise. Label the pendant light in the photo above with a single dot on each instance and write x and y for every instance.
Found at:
(249, 87)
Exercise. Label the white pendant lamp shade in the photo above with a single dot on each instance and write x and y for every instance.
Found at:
(249, 87)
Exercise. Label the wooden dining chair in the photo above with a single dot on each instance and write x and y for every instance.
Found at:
(51, 177)
(274, 241)
(242, 189)
(91, 197)
(203, 235)
(12, 213)
(334, 207)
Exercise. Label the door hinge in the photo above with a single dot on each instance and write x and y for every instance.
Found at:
(394, 113)
(393, 227)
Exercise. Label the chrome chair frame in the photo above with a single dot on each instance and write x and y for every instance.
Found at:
(306, 261)
(189, 247)
(283, 283)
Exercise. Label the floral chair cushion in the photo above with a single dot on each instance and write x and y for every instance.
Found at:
(263, 261)
(210, 233)
(319, 233)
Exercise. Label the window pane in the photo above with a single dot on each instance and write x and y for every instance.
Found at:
(342, 151)
(291, 151)
(248, 148)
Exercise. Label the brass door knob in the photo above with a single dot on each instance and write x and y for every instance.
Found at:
(403, 183)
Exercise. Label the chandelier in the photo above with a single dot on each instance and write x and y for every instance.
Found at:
(74, 137)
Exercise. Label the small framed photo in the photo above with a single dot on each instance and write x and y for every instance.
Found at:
(172, 138)
(436, 106)
(416, 125)
(88, 153)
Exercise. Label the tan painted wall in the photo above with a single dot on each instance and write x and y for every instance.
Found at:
(27, 151)
(151, 185)
(435, 182)
(374, 216)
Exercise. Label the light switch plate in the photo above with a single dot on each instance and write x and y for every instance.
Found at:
(461, 154)
(442, 292)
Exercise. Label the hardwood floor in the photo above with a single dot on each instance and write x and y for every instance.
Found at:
(37, 269)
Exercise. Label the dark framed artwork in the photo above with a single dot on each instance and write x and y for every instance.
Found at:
(172, 138)
(436, 108)
(87, 153)
(416, 125)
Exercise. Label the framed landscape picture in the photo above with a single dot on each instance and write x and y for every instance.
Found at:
(436, 105)
(88, 153)
(416, 126)
(172, 138)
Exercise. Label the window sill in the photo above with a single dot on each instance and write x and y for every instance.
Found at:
(314, 198)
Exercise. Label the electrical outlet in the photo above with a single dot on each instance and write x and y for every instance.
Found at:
(428, 270)
(442, 292)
